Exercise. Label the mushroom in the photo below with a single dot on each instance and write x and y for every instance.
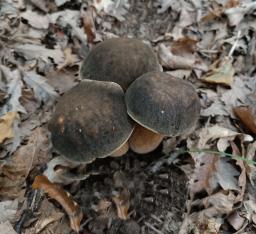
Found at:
(120, 60)
(91, 122)
(163, 106)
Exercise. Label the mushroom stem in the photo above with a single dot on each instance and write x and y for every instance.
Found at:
(121, 150)
(143, 141)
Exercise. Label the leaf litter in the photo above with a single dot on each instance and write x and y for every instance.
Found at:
(209, 43)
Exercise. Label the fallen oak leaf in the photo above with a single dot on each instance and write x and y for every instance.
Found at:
(210, 172)
(242, 181)
(238, 94)
(215, 204)
(58, 171)
(172, 61)
(32, 51)
(117, 9)
(224, 135)
(247, 116)
(14, 90)
(183, 46)
(250, 168)
(6, 228)
(163, 5)
(42, 90)
(8, 210)
(18, 166)
(236, 14)
(6, 122)
(70, 59)
(63, 198)
(88, 23)
(43, 222)
(236, 220)
(122, 202)
(221, 72)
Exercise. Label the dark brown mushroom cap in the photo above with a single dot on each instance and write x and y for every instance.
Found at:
(120, 60)
(163, 104)
(90, 121)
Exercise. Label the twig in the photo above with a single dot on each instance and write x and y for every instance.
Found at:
(153, 228)
(230, 54)
(156, 218)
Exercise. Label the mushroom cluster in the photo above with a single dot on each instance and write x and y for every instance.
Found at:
(123, 101)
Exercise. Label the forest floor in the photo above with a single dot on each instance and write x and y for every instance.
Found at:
(200, 183)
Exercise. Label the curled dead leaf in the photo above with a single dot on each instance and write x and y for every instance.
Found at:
(183, 46)
(216, 204)
(88, 23)
(236, 14)
(6, 122)
(221, 72)
(63, 198)
(122, 202)
(236, 220)
(211, 171)
(58, 171)
(172, 61)
(248, 117)
(16, 169)
(242, 177)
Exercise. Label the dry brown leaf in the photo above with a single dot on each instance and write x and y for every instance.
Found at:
(110, 7)
(58, 171)
(48, 216)
(250, 207)
(88, 23)
(61, 80)
(214, 13)
(241, 88)
(212, 171)
(236, 14)
(16, 169)
(250, 168)
(187, 17)
(32, 51)
(218, 10)
(215, 205)
(6, 122)
(224, 136)
(232, 3)
(8, 210)
(207, 209)
(70, 59)
(36, 20)
(63, 198)
(163, 5)
(242, 177)
(10, 188)
(184, 46)
(45, 221)
(172, 61)
(221, 72)
(236, 220)
(14, 90)
(43, 92)
(103, 206)
(6, 228)
(122, 202)
(248, 116)
(43, 5)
